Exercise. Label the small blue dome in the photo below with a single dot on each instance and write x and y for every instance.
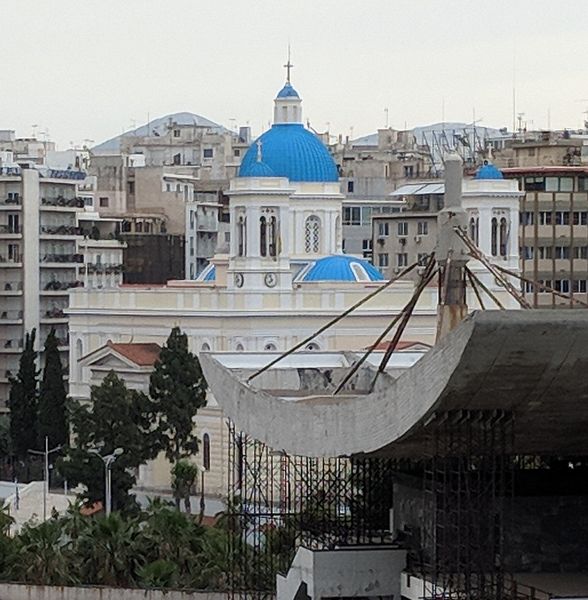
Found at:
(291, 151)
(288, 92)
(208, 273)
(488, 171)
(340, 267)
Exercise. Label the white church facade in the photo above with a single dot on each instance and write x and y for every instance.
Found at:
(284, 277)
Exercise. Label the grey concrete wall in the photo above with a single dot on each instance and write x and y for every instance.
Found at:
(13, 591)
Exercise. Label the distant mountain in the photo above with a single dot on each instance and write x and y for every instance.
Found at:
(158, 127)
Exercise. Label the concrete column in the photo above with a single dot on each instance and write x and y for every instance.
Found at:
(253, 215)
(30, 258)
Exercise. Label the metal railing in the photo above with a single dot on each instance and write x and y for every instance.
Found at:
(11, 315)
(55, 286)
(11, 286)
(63, 258)
(10, 228)
(60, 229)
(63, 201)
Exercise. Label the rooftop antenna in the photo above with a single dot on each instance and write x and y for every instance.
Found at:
(514, 87)
(288, 66)
(34, 131)
(386, 111)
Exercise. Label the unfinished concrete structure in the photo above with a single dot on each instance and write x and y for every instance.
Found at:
(471, 450)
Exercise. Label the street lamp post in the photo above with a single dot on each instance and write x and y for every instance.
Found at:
(202, 500)
(46, 454)
(108, 461)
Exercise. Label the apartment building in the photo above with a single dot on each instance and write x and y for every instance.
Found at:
(51, 240)
(173, 170)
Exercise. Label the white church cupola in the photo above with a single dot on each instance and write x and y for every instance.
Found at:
(287, 105)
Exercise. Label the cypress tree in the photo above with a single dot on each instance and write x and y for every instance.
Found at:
(177, 389)
(52, 416)
(22, 401)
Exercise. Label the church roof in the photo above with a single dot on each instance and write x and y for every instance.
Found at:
(288, 92)
(142, 354)
(291, 151)
(340, 267)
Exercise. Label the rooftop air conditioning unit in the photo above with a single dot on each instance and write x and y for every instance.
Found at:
(417, 239)
(381, 239)
(402, 241)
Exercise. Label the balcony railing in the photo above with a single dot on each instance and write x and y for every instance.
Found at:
(11, 315)
(11, 343)
(63, 258)
(107, 269)
(62, 201)
(11, 286)
(56, 286)
(10, 228)
(11, 201)
(9, 259)
(60, 230)
(54, 313)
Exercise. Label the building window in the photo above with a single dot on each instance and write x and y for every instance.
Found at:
(503, 236)
(168, 187)
(103, 202)
(239, 347)
(242, 236)
(527, 218)
(562, 217)
(351, 215)
(475, 229)
(494, 237)
(13, 253)
(580, 218)
(562, 285)
(383, 229)
(131, 187)
(312, 347)
(208, 153)
(383, 259)
(534, 184)
(350, 187)
(402, 228)
(402, 259)
(545, 218)
(312, 233)
(236, 152)
(176, 133)
(579, 286)
(422, 228)
(545, 252)
(270, 347)
(263, 236)
(206, 452)
(409, 171)
(562, 252)
(580, 251)
(273, 236)
(366, 245)
(422, 258)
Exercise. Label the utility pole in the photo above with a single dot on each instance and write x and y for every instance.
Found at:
(46, 454)
(108, 461)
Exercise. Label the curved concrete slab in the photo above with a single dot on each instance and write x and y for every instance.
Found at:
(533, 363)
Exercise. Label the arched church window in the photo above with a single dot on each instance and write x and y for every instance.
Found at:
(239, 347)
(494, 237)
(473, 229)
(242, 236)
(79, 354)
(270, 347)
(503, 236)
(206, 452)
(263, 236)
(312, 235)
(273, 236)
(313, 346)
(205, 347)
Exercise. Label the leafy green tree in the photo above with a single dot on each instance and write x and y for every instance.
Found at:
(4, 436)
(116, 417)
(177, 389)
(23, 399)
(52, 415)
(184, 475)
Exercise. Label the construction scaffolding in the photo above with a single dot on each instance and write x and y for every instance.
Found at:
(278, 502)
(468, 490)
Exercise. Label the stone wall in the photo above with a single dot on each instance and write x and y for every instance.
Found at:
(13, 591)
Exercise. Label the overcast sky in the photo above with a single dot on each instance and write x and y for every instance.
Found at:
(89, 69)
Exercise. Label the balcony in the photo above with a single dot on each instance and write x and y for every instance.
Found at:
(10, 317)
(62, 202)
(10, 230)
(11, 345)
(61, 286)
(53, 314)
(11, 203)
(11, 288)
(7, 261)
(101, 268)
(60, 230)
(62, 258)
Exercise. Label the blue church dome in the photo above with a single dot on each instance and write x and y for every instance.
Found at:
(291, 151)
(340, 267)
(488, 171)
(260, 169)
(288, 92)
